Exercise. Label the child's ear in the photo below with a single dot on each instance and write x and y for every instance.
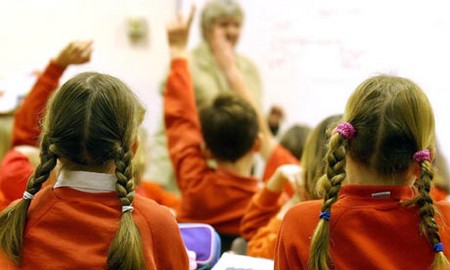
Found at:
(206, 152)
(258, 142)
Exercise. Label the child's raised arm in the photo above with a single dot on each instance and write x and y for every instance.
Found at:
(19, 164)
(26, 128)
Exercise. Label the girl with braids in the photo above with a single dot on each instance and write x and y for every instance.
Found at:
(91, 218)
(377, 212)
(262, 219)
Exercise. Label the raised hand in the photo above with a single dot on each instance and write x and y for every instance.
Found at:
(283, 175)
(76, 52)
(178, 34)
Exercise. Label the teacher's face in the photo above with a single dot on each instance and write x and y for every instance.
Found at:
(230, 27)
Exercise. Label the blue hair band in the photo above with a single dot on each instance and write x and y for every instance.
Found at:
(439, 247)
(325, 215)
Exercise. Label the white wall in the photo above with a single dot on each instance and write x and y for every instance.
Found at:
(317, 51)
(312, 53)
(34, 31)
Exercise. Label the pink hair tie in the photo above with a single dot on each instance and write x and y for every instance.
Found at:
(346, 130)
(422, 155)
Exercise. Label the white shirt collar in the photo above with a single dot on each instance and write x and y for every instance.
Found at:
(91, 182)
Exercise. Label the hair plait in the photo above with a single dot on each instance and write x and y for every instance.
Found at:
(128, 234)
(335, 174)
(428, 224)
(13, 218)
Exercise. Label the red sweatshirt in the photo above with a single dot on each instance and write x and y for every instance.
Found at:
(259, 225)
(15, 168)
(215, 196)
(158, 194)
(70, 229)
(366, 232)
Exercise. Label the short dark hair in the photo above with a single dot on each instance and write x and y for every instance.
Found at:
(229, 127)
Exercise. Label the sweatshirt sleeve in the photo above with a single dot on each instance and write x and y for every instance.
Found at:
(26, 128)
(263, 206)
(262, 244)
(183, 128)
(280, 156)
(15, 169)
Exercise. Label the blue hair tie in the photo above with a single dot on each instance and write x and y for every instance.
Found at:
(439, 247)
(325, 215)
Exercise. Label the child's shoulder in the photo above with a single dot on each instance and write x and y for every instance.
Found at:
(302, 219)
(151, 210)
(308, 211)
(154, 221)
(443, 207)
(307, 207)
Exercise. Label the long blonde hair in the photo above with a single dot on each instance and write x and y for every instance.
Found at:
(90, 123)
(313, 158)
(393, 120)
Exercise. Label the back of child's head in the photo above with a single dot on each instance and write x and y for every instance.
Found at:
(388, 123)
(98, 124)
(294, 139)
(90, 124)
(313, 158)
(229, 127)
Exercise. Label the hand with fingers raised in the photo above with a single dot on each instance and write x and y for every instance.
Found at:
(178, 34)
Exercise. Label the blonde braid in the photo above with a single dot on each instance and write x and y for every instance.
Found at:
(126, 252)
(428, 224)
(13, 218)
(47, 163)
(335, 173)
(124, 174)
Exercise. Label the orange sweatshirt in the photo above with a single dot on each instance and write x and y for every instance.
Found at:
(215, 196)
(70, 229)
(263, 206)
(158, 194)
(259, 226)
(438, 194)
(15, 168)
(365, 232)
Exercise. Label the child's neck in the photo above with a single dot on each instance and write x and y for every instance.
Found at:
(242, 166)
(360, 175)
